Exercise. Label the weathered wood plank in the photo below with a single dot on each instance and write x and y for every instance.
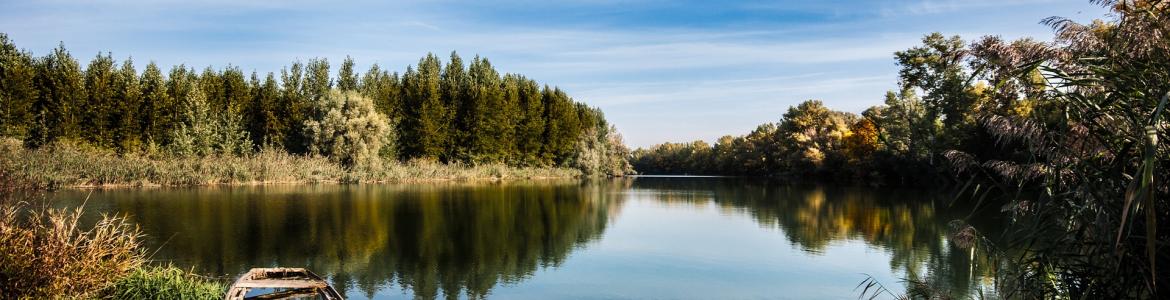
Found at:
(302, 282)
(281, 283)
(289, 294)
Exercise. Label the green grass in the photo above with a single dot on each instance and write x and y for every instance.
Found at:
(165, 282)
(48, 253)
(71, 165)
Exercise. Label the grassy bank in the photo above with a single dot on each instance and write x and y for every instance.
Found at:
(65, 165)
(48, 254)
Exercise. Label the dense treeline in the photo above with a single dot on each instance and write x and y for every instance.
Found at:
(453, 113)
(1066, 138)
(945, 86)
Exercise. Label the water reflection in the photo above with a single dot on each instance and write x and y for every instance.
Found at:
(911, 225)
(464, 240)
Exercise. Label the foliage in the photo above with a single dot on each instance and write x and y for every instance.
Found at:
(1096, 164)
(164, 282)
(346, 128)
(49, 254)
(71, 165)
(1066, 138)
(201, 134)
(457, 114)
(810, 140)
(17, 89)
(603, 154)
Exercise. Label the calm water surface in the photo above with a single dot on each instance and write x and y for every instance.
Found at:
(674, 238)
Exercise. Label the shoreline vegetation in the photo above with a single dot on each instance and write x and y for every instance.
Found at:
(50, 254)
(74, 166)
(112, 125)
(109, 124)
(1067, 139)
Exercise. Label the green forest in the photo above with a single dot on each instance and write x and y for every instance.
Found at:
(454, 113)
(1064, 140)
(1067, 138)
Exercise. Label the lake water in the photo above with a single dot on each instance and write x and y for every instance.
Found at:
(648, 237)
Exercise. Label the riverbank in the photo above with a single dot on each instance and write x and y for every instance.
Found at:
(66, 165)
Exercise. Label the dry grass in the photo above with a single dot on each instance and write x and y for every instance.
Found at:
(47, 254)
(71, 165)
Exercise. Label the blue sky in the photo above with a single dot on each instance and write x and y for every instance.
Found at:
(661, 70)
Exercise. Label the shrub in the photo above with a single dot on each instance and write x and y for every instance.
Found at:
(346, 127)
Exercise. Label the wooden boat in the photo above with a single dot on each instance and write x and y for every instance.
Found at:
(284, 283)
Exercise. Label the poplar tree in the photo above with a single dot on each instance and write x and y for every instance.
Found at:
(18, 90)
(264, 125)
(213, 89)
(453, 113)
(530, 130)
(127, 103)
(157, 105)
(236, 91)
(383, 88)
(100, 90)
(508, 119)
(317, 82)
(485, 132)
(462, 107)
(347, 79)
(180, 82)
(562, 126)
(425, 132)
(61, 91)
(291, 107)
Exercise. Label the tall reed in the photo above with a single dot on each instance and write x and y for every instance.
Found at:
(47, 253)
(66, 164)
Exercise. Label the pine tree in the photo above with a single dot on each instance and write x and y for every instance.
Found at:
(180, 83)
(213, 89)
(100, 91)
(317, 81)
(425, 131)
(383, 88)
(346, 78)
(202, 132)
(452, 113)
(562, 127)
(530, 130)
(194, 134)
(485, 132)
(236, 92)
(264, 126)
(462, 115)
(155, 114)
(61, 92)
(507, 118)
(291, 108)
(127, 103)
(18, 90)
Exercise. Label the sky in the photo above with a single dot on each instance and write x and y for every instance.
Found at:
(660, 70)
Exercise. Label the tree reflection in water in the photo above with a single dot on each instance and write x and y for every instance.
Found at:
(910, 225)
(464, 239)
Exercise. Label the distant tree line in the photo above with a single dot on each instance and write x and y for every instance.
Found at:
(455, 113)
(1066, 139)
(946, 88)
